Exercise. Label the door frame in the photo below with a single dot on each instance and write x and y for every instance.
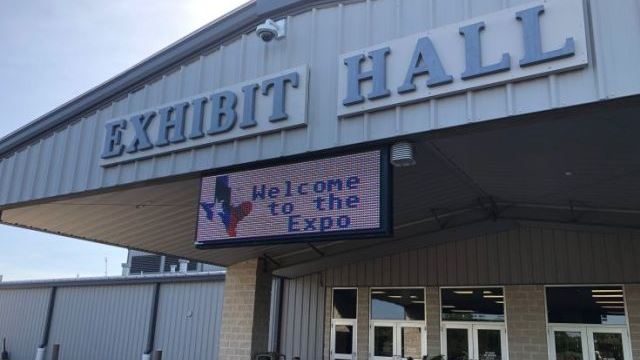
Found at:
(396, 325)
(351, 322)
(587, 331)
(354, 350)
(472, 328)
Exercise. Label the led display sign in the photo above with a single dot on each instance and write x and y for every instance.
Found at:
(338, 197)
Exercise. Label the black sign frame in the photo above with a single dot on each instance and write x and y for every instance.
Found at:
(386, 214)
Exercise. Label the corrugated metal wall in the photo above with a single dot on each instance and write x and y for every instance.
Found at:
(189, 319)
(101, 323)
(109, 322)
(527, 255)
(22, 320)
(302, 326)
(67, 160)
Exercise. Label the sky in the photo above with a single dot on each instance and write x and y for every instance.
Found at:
(53, 51)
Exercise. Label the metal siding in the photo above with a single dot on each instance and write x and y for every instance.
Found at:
(22, 320)
(73, 151)
(105, 322)
(303, 317)
(189, 318)
(527, 255)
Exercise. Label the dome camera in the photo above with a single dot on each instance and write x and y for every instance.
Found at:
(270, 30)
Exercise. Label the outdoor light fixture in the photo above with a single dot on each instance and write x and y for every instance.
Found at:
(402, 154)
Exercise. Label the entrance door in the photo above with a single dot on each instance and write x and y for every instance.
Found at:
(589, 343)
(392, 340)
(474, 342)
(343, 339)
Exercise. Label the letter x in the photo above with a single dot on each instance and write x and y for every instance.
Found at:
(140, 138)
(309, 224)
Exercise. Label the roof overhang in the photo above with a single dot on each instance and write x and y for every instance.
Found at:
(574, 166)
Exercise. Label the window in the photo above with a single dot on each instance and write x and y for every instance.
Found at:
(397, 304)
(603, 305)
(344, 303)
(473, 304)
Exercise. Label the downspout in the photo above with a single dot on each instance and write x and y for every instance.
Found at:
(151, 334)
(47, 325)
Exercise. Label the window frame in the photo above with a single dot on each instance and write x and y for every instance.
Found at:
(424, 292)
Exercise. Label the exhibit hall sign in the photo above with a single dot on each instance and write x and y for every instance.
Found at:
(271, 103)
(514, 44)
(338, 197)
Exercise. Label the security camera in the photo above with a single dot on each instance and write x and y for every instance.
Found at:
(270, 30)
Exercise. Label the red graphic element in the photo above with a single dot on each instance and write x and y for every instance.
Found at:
(237, 214)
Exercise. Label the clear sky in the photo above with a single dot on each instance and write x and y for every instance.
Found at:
(53, 51)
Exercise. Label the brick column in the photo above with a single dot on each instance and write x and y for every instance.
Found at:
(526, 322)
(433, 321)
(245, 312)
(632, 297)
(328, 307)
(363, 323)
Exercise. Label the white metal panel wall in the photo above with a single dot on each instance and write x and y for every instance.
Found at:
(189, 319)
(23, 315)
(302, 323)
(67, 160)
(101, 323)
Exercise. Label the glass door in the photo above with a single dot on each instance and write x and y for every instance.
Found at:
(589, 343)
(397, 340)
(382, 341)
(411, 340)
(489, 342)
(343, 339)
(608, 344)
(474, 342)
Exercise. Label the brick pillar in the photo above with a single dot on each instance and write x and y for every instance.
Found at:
(328, 308)
(245, 312)
(526, 322)
(363, 323)
(433, 321)
(632, 297)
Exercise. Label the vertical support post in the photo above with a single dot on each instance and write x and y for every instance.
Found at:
(157, 355)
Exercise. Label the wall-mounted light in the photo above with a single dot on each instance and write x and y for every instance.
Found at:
(402, 154)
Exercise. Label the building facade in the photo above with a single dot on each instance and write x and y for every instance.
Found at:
(472, 165)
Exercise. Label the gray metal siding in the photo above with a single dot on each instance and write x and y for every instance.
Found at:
(101, 323)
(527, 255)
(302, 327)
(22, 320)
(68, 159)
(189, 319)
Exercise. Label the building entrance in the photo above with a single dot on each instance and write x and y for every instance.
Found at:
(588, 343)
(394, 340)
(463, 341)
(397, 327)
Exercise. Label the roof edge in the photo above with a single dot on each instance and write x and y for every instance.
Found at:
(211, 34)
(116, 280)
